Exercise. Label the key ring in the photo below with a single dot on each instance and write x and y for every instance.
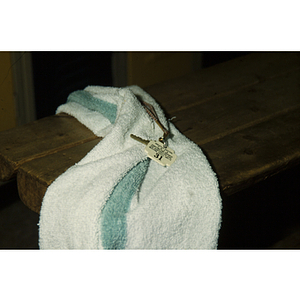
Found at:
(163, 141)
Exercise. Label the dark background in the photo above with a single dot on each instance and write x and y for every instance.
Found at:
(57, 74)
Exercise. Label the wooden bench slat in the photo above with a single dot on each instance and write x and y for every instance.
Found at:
(218, 117)
(223, 79)
(35, 176)
(37, 139)
(253, 154)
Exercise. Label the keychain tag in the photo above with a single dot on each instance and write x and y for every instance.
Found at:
(157, 151)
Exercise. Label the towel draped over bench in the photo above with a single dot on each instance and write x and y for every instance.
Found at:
(118, 198)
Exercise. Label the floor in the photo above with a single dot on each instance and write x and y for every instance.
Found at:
(267, 216)
(18, 224)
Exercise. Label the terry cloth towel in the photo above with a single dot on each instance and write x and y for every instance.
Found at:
(118, 198)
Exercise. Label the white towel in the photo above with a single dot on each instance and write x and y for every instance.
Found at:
(116, 197)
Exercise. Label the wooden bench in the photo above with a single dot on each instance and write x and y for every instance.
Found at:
(244, 114)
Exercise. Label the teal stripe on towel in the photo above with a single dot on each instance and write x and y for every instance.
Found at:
(113, 218)
(84, 98)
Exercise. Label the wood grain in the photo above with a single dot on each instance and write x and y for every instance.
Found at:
(38, 139)
(35, 176)
(250, 155)
(219, 117)
(222, 80)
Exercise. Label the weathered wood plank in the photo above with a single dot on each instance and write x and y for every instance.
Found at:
(35, 176)
(218, 117)
(253, 154)
(221, 80)
(37, 139)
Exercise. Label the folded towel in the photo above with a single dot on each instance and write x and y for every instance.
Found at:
(118, 198)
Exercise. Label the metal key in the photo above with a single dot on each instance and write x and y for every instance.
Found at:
(157, 151)
(145, 142)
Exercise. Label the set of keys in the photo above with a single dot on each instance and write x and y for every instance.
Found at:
(157, 151)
